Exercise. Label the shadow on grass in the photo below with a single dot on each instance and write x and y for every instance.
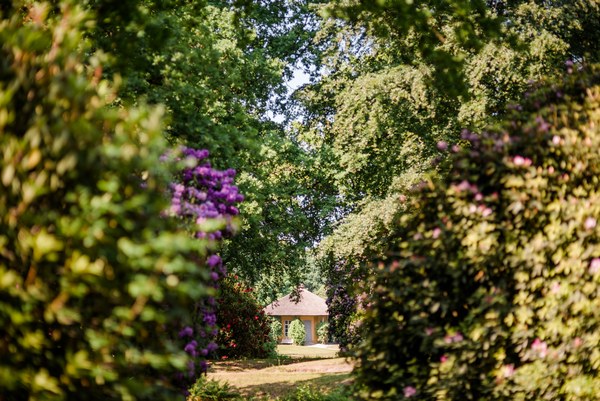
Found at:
(240, 365)
(324, 384)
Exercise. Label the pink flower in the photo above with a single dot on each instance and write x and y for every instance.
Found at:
(521, 161)
(540, 347)
(442, 145)
(589, 223)
(443, 359)
(429, 331)
(409, 391)
(436, 232)
(594, 266)
(508, 370)
(555, 288)
(556, 139)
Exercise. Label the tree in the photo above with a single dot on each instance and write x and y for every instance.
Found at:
(96, 280)
(400, 82)
(489, 289)
(217, 67)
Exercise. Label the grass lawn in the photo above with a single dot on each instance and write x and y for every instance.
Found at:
(314, 351)
(313, 366)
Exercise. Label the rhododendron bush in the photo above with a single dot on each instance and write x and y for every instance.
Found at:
(203, 199)
(490, 289)
(244, 329)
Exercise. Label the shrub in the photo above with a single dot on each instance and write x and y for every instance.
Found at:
(244, 329)
(297, 332)
(276, 329)
(94, 278)
(211, 390)
(307, 393)
(491, 288)
(323, 332)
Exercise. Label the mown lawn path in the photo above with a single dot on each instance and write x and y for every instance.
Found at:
(278, 377)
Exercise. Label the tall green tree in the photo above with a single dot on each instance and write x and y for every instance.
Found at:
(401, 80)
(218, 67)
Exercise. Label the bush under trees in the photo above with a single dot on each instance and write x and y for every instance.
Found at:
(244, 329)
(95, 280)
(491, 291)
(323, 332)
(297, 332)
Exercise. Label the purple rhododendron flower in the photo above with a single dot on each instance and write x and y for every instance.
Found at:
(187, 331)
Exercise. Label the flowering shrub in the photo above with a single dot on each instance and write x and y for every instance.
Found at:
(244, 329)
(490, 290)
(204, 200)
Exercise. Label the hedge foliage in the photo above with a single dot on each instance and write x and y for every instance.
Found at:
(94, 280)
(297, 332)
(491, 290)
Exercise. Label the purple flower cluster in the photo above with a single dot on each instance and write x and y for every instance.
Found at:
(202, 194)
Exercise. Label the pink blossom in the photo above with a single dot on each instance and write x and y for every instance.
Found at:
(429, 331)
(577, 342)
(442, 145)
(443, 359)
(436, 232)
(589, 223)
(540, 347)
(409, 391)
(508, 370)
(594, 266)
(486, 212)
(521, 161)
(555, 288)
(556, 139)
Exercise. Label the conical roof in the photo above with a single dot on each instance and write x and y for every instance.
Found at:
(309, 305)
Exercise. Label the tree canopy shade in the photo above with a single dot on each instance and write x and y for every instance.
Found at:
(95, 280)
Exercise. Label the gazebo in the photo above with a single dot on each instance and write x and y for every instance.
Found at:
(311, 309)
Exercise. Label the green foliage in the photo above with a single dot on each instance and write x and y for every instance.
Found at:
(323, 332)
(490, 290)
(297, 332)
(211, 390)
(307, 393)
(94, 280)
(216, 66)
(244, 329)
(401, 79)
(276, 329)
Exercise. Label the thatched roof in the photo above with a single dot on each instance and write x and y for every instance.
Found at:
(309, 305)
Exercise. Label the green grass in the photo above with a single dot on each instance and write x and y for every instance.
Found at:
(299, 351)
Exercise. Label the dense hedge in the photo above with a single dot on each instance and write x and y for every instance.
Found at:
(95, 280)
(491, 291)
